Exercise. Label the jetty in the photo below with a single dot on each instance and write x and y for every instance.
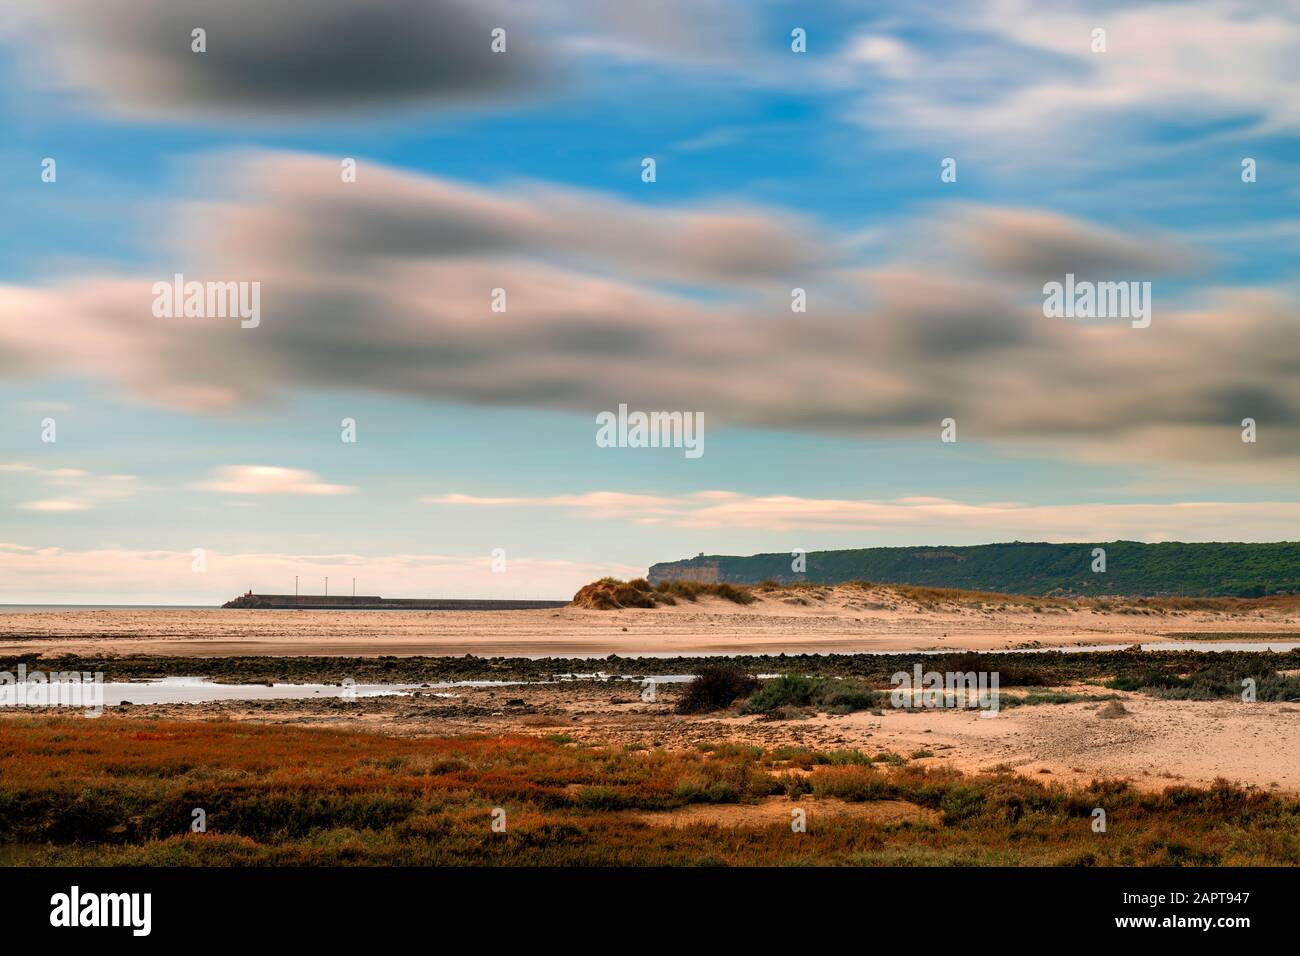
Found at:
(359, 602)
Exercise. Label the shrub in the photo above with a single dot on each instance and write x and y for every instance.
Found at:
(854, 783)
(1049, 697)
(733, 593)
(695, 790)
(843, 697)
(788, 690)
(961, 803)
(1009, 674)
(610, 594)
(691, 591)
(603, 799)
(1136, 680)
(715, 688)
(793, 690)
(841, 758)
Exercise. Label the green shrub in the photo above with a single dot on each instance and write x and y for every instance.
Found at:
(961, 803)
(795, 691)
(716, 687)
(788, 690)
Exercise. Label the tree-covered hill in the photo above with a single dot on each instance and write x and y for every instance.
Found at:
(1132, 568)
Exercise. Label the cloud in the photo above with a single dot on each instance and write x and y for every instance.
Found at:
(683, 33)
(54, 505)
(302, 59)
(606, 504)
(939, 520)
(284, 59)
(270, 480)
(1041, 245)
(125, 576)
(83, 487)
(1018, 78)
(385, 286)
(389, 218)
(41, 407)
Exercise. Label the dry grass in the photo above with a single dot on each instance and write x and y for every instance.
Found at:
(113, 792)
(950, 598)
(610, 594)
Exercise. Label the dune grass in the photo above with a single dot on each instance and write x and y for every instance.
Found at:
(608, 594)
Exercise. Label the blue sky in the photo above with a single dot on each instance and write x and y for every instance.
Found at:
(775, 169)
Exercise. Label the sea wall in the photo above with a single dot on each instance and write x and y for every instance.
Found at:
(322, 602)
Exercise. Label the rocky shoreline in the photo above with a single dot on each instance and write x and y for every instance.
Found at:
(1017, 669)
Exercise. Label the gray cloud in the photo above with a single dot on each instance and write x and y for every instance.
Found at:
(612, 302)
(389, 216)
(1043, 245)
(280, 59)
(291, 59)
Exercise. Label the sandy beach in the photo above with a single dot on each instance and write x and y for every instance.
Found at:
(841, 619)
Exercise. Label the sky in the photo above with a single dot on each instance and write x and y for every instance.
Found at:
(921, 171)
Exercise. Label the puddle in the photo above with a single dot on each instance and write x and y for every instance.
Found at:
(201, 690)
(1205, 644)
(1209, 645)
(601, 675)
(190, 690)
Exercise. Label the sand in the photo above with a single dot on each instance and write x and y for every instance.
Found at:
(839, 620)
(1157, 743)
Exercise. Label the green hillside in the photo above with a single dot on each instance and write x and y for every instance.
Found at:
(1132, 568)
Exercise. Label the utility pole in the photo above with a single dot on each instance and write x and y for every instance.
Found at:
(295, 585)
(354, 587)
(327, 586)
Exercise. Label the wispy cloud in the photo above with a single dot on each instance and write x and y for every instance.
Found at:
(270, 480)
(79, 489)
(55, 505)
(605, 504)
(930, 519)
(1025, 79)
(119, 575)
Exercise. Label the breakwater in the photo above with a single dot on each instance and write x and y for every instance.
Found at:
(339, 602)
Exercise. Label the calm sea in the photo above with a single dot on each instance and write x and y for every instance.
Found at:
(20, 608)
